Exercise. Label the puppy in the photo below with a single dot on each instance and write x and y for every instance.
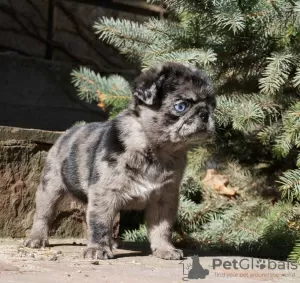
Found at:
(135, 161)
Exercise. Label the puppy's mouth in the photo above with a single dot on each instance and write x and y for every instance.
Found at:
(199, 136)
(195, 137)
(195, 130)
(204, 137)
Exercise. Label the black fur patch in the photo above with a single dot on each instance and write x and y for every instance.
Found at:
(66, 137)
(70, 175)
(169, 119)
(112, 144)
(95, 148)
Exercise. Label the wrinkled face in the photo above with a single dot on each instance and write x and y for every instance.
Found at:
(175, 103)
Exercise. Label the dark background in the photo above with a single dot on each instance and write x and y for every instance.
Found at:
(41, 42)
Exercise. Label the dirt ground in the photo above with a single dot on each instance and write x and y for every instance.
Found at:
(63, 262)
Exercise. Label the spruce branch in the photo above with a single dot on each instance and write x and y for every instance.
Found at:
(113, 91)
(193, 56)
(290, 184)
(228, 15)
(290, 136)
(166, 29)
(296, 78)
(244, 113)
(139, 235)
(128, 37)
(295, 254)
(269, 133)
(276, 72)
(189, 5)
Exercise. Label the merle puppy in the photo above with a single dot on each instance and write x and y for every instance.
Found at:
(135, 161)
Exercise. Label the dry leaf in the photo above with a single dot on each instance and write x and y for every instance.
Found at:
(219, 183)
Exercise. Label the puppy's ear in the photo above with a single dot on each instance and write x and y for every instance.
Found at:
(147, 87)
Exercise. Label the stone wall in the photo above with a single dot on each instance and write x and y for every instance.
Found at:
(22, 155)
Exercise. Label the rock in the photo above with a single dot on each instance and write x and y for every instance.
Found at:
(53, 258)
(22, 155)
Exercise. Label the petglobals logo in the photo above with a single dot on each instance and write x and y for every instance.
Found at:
(193, 270)
(200, 268)
(251, 263)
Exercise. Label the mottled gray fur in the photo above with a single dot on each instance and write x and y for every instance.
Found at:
(135, 161)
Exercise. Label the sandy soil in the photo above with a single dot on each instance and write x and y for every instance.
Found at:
(63, 262)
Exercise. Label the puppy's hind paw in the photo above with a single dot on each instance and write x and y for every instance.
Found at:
(98, 253)
(168, 254)
(36, 243)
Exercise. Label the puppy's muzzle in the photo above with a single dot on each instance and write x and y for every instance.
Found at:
(205, 129)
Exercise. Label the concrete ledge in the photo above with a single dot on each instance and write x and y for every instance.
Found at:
(22, 156)
(33, 135)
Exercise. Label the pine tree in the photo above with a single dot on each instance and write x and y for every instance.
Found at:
(251, 51)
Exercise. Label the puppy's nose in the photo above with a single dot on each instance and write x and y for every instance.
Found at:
(204, 116)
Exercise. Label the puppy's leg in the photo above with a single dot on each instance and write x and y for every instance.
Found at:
(101, 212)
(115, 231)
(47, 196)
(160, 217)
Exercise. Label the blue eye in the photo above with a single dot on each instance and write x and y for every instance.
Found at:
(181, 106)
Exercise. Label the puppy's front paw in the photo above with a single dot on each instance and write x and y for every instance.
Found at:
(168, 254)
(35, 243)
(116, 243)
(98, 252)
